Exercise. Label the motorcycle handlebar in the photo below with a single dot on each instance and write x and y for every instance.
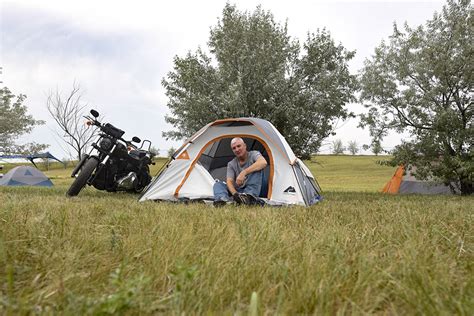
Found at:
(94, 121)
(128, 143)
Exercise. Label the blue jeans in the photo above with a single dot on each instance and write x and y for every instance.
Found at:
(253, 186)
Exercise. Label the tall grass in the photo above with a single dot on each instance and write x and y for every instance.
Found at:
(356, 252)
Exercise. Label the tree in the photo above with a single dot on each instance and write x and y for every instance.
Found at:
(14, 122)
(376, 147)
(421, 82)
(155, 151)
(353, 147)
(255, 69)
(337, 147)
(68, 112)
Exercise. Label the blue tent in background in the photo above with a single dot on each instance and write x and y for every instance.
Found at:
(25, 175)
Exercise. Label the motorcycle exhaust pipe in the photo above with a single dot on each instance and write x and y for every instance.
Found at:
(128, 182)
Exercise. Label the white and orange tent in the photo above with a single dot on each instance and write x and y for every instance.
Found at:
(404, 182)
(202, 159)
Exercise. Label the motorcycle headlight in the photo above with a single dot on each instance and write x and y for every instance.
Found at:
(106, 144)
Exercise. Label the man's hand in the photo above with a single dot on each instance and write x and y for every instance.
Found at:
(241, 178)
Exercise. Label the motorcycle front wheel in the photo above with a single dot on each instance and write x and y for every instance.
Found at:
(84, 175)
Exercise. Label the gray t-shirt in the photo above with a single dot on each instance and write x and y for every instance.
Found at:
(234, 168)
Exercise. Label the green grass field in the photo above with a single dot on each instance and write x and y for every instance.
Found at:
(358, 251)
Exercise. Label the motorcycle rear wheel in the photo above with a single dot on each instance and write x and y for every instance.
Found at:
(140, 188)
(84, 175)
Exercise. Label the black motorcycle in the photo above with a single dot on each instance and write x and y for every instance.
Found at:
(113, 164)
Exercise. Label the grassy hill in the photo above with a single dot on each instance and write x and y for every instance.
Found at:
(358, 251)
(351, 173)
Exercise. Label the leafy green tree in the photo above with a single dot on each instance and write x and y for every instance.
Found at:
(14, 122)
(353, 147)
(338, 147)
(155, 151)
(255, 69)
(421, 82)
(376, 147)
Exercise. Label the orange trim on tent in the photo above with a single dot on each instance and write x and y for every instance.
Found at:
(183, 155)
(393, 185)
(270, 177)
(190, 139)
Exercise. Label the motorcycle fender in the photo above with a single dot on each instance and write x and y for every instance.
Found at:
(79, 165)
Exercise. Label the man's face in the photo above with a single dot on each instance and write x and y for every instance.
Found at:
(239, 148)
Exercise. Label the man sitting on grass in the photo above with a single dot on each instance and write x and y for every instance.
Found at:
(244, 175)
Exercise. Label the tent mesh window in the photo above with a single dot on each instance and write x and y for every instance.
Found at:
(234, 123)
(308, 186)
(218, 154)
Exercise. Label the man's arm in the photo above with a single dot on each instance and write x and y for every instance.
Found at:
(258, 165)
(231, 175)
(230, 186)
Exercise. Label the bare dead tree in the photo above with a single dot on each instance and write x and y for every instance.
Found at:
(68, 113)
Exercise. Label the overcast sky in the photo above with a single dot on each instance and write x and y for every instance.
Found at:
(119, 51)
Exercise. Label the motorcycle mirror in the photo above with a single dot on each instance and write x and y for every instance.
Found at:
(95, 113)
(136, 139)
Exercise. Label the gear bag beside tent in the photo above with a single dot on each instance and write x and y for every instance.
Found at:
(202, 160)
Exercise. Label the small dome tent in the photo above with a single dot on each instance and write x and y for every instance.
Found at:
(202, 160)
(25, 176)
(404, 182)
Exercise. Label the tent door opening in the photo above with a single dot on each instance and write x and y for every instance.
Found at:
(218, 153)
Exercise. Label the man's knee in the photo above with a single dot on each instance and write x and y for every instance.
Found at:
(220, 190)
(218, 185)
(254, 183)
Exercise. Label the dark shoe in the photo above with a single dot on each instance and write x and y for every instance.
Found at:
(236, 197)
(219, 203)
(246, 199)
(242, 198)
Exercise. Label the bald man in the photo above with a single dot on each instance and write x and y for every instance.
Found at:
(244, 175)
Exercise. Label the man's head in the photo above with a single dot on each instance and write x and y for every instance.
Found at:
(239, 147)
